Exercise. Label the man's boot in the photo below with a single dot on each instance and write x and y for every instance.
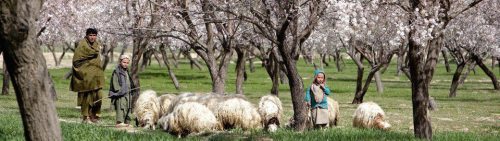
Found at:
(86, 120)
(95, 119)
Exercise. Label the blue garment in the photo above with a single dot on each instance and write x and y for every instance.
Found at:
(323, 104)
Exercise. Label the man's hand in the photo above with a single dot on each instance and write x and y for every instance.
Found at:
(308, 104)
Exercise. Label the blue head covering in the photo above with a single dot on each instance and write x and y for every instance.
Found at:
(316, 72)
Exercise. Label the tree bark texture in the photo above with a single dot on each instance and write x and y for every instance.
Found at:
(137, 50)
(446, 63)
(240, 68)
(421, 72)
(494, 80)
(192, 61)
(456, 78)
(28, 70)
(378, 82)
(6, 80)
(167, 64)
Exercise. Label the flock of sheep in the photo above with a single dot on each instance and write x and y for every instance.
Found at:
(190, 113)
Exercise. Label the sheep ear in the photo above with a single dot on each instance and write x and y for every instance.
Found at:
(379, 116)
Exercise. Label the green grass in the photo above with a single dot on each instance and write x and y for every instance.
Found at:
(473, 115)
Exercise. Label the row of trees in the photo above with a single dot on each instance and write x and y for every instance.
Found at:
(276, 32)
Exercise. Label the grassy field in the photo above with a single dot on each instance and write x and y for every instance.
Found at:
(473, 115)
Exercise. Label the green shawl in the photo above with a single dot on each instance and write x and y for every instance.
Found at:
(88, 74)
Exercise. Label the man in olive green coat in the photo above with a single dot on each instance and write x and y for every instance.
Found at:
(88, 76)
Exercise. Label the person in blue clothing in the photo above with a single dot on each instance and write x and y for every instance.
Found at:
(316, 99)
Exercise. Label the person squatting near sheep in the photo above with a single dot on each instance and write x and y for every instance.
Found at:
(316, 99)
(120, 92)
(88, 76)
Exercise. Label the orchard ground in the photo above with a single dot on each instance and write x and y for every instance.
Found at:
(473, 115)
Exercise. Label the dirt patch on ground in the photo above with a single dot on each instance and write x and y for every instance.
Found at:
(129, 129)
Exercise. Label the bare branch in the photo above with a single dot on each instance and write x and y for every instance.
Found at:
(471, 5)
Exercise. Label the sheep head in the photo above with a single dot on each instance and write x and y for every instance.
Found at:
(147, 121)
(380, 123)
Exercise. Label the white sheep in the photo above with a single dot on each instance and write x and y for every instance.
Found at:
(432, 104)
(189, 117)
(230, 110)
(333, 112)
(165, 101)
(182, 98)
(210, 100)
(237, 113)
(270, 111)
(147, 109)
(370, 115)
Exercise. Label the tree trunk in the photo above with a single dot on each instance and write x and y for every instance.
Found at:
(52, 50)
(324, 59)
(105, 54)
(359, 79)
(176, 63)
(338, 58)
(400, 62)
(358, 98)
(112, 53)
(137, 52)
(493, 62)
(446, 63)
(28, 70)
(123, 50)
(6, 82)
(359, 86)
(378, 82)
(157, 57)
(494, 81)
(282, 76)
(146, 57)
(470, 67)
(498, 60)
(65, 49)
(167, 64)
(421, 72)
(192, 61)
(240, 69)
(272, 68)
(218, 71)
(297, 91)
(251, 65)
(455, 80)
(275, 77)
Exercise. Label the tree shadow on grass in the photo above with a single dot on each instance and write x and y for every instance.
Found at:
(469, 99)
(493, 127)
(190, 77)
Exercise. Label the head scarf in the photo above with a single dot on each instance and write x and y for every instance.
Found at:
(316, 90)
